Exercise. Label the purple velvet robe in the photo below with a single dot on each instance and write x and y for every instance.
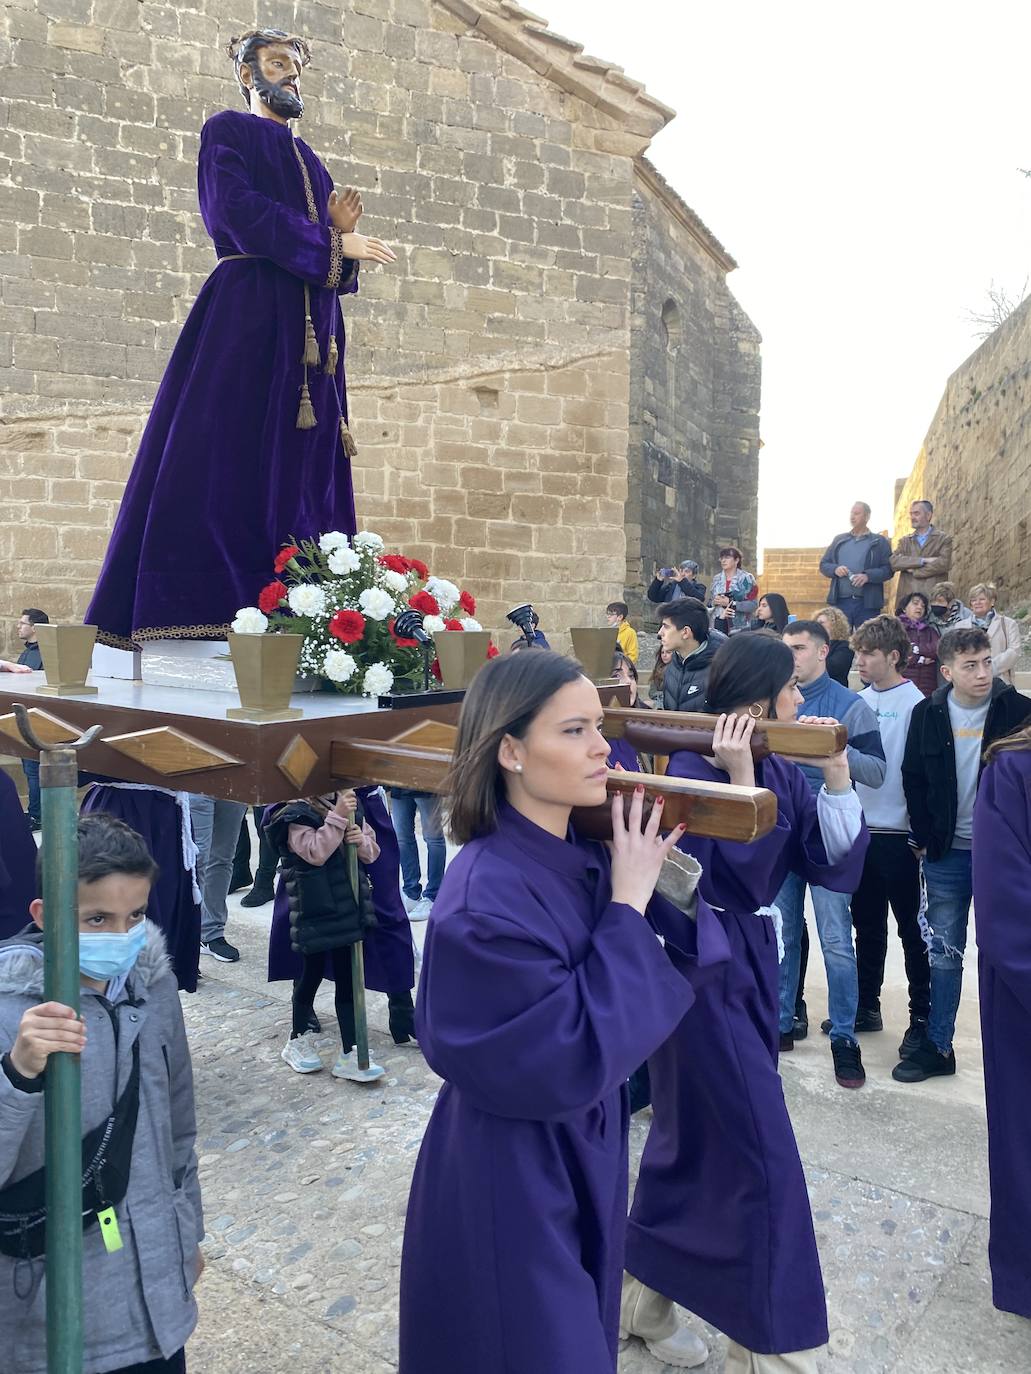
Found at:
(157, 818)
(539, 996)
(388, 948)
(223, 477)
(1002, 881)
(623, 755)
(721, 1219)
(17, 861)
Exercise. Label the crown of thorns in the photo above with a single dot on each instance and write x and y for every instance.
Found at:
(242, 48)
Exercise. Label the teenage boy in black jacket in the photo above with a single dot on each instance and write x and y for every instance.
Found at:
(948, 734)
(684, 631)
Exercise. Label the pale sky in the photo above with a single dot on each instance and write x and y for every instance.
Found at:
(860, 163)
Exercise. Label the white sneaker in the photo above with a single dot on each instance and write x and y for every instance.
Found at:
(302, 1054)
(347, 1067)
(421, 910)
(682, 1350)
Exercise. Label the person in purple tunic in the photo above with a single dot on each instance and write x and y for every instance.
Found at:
(1001, 882)
(388, 948)
(17, 861)
(162, 819)
(248, 442)
(543, 986)
(721, 1221)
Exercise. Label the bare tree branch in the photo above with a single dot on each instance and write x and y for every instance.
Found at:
(1001, 305)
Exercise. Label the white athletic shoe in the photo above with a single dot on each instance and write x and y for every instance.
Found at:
(421, 910)
(347, 1067)
(302, 1054)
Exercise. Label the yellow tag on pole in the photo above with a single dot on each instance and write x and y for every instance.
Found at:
(109, 1230)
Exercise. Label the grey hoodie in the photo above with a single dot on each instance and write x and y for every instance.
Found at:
(138, 1301)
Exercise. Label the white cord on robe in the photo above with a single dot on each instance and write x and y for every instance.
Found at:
(182, 800)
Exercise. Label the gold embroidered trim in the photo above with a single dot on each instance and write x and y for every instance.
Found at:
(113, 641)
(309, 194)
(336, 259)
(182, 632)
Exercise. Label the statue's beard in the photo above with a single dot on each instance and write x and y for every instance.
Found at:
(280, 99)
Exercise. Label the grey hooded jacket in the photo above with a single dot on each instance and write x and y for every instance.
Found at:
(139, 1300)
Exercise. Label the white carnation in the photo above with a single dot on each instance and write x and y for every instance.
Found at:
(445, 593)
(376, 603)
(378, 680)
(333, 540)
(397, 582)
(343, 560)
(470, 624)
(306, 600)
(368, 542)
(339, 666)
(249, 621)
(433, 624)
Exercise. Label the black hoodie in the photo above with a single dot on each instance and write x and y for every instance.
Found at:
(686, 680)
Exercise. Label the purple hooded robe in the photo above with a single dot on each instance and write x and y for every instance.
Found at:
(223, 477)
(1002, 881)
(17, 861)
(539, 996)
(721, 1220)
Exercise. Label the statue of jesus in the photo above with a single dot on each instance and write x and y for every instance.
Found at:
(248, 443)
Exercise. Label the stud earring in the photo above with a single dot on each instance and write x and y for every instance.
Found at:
(519, 768)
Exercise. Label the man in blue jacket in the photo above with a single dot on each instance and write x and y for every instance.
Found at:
(858, 564)
(822, 696)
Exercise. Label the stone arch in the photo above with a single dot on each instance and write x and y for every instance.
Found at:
(671, 330)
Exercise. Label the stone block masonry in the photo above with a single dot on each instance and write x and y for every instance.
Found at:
(489, 370)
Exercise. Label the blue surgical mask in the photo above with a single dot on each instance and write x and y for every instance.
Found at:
(105, 955)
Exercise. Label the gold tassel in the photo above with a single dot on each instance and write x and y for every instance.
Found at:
(310, 357)
(331, 361)
(347, 439)
(305, 411)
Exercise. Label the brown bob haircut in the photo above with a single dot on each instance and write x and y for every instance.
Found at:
(883, 632)
(505, 696)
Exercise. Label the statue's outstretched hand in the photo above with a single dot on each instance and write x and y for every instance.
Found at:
(362, 249)
(345, 210)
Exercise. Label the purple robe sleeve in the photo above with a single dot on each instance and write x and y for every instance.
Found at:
(1002, 871)
(522, 1033)
(234, 210)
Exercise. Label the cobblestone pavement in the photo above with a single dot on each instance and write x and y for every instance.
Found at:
(305, 1183)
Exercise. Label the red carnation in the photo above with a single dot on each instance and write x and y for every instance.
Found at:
(419, 567)
(422, 601)
(468, 603)
(284, 555)
(396, 562)
(347, 626)
(452, 624)
(269, 597)
(492, 650)
(398, 640)
(435, 670)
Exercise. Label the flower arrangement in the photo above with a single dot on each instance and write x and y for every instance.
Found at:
(344, 595)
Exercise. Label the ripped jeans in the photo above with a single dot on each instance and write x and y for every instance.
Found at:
(945, 933)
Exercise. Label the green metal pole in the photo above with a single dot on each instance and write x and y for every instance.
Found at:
(62, 1097)
(361, 1019)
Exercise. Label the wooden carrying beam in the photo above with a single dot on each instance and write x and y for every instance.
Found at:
(714, 810)
(664, 732)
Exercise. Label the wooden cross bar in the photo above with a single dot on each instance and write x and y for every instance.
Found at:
(664, 732)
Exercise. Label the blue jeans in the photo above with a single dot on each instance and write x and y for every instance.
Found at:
(216, 829)
(31, 769)
(855, 612)
(403, 806)
(945, 933)
(834, 923)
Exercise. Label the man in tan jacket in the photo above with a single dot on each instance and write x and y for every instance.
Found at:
(923, 557)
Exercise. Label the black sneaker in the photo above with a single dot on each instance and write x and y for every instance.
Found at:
(868, 1020)
(260, 895)
(220, 949)
(799, 1027)
(787, 1042)
(848, 1063)
(914, 1037)
(926, 1061)
(35, 824)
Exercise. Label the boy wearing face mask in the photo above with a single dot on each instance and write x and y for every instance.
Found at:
(136, 1079)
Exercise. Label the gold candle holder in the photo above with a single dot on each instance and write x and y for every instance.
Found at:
(461, 654)
(67, 652)
(266, 670)
(595, 650)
